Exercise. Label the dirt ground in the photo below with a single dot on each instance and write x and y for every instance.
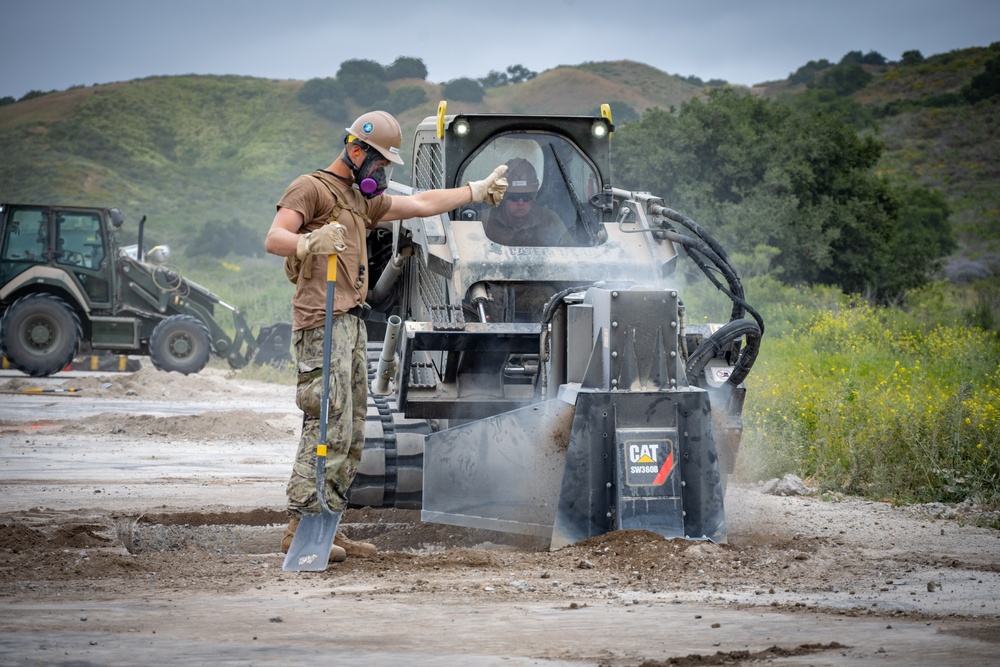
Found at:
(140, 515)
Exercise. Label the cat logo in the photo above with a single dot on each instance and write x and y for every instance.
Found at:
(649, 461)
(645, 453)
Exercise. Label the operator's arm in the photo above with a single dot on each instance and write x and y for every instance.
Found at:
(283, 237)
(427, 203)
(432, 202)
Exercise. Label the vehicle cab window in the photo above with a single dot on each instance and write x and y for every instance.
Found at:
(80, 241)
(26, 237)
(549, 185)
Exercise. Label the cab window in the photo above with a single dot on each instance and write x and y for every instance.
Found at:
(549, 185)
(26, 237)
(80, 241)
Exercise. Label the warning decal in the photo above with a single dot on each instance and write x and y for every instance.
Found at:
(648, 462)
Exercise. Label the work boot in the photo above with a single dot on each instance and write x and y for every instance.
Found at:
(337, 554)
(352, 548)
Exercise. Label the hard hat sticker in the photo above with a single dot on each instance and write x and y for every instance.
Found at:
(367, 128)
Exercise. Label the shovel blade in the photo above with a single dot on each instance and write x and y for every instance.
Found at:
(310, 548)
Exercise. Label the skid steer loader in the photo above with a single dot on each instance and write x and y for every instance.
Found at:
(556, 391)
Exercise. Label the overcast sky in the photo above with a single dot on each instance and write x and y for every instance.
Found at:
(55, 44)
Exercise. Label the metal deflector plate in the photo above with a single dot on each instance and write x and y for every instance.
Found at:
(501, 473)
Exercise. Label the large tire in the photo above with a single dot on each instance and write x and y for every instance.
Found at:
(40, 334)
(180, 343)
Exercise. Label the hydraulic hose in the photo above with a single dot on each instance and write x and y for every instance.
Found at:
(735, 291)
(711, 347)
(671, 214)
(718, 256)
(705, 246)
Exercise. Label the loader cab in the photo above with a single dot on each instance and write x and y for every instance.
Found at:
(571, 156)
(548, 202)
(42, 243)
(507, 277)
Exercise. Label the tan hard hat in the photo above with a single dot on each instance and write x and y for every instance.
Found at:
(521, 176)
(381, 131)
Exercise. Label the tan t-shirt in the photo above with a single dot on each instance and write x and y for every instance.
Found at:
(316, 203)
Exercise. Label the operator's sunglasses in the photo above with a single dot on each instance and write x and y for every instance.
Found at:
(519, 197)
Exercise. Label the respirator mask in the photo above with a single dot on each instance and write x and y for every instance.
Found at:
(372, 180)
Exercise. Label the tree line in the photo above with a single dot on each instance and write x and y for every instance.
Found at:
(829, 86)
(364, 81)
(792, 190)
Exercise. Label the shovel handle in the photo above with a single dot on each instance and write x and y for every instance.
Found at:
(331, 277)
(324, 410)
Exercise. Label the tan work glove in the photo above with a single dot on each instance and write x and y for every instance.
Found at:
(491, 189)
(327, 240)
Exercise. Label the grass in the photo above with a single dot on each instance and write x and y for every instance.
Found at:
(877, 402)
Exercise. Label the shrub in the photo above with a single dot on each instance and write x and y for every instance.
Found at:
(361, 67)
(869, 401)
(520, 74)
(325, 97)
(843, 79)
(319, 91)
(986, 84)
(367, 90)
(463, 89)
(406, 68)
(494, 79)
(405, 98)
(809, 71)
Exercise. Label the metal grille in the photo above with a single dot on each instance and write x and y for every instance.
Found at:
(443, 315)
(428, 166)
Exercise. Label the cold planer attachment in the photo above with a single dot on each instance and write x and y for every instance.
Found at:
(625, 444)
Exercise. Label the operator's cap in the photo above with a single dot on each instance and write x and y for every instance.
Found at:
(521, 176)
(381, 131)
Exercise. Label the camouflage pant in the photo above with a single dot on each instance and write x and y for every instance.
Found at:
(345, 436)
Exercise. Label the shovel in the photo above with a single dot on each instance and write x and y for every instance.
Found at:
(310, 548)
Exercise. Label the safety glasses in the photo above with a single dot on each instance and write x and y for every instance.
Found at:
(521, 197)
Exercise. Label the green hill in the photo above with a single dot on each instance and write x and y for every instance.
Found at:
(191, 150)
(183, 150)
(194, 150)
